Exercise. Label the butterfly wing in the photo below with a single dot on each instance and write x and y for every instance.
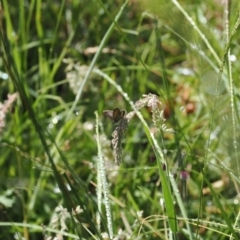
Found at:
(115, 115)
(108, 114)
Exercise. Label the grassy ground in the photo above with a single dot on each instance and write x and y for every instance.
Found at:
(165, 168)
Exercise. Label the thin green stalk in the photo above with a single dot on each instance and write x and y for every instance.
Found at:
(99, 181)
(229, 65)
(95, 58)
(103, 184)
(159, 155)
(194, 25)
(57, 28)
(204, 172)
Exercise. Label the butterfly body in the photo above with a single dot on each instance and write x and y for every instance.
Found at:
(115, 115)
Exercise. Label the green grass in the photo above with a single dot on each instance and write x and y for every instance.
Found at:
(172, 66)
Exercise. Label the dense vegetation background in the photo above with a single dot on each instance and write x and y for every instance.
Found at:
(63, 63)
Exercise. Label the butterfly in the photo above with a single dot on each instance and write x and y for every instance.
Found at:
(115, 115)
